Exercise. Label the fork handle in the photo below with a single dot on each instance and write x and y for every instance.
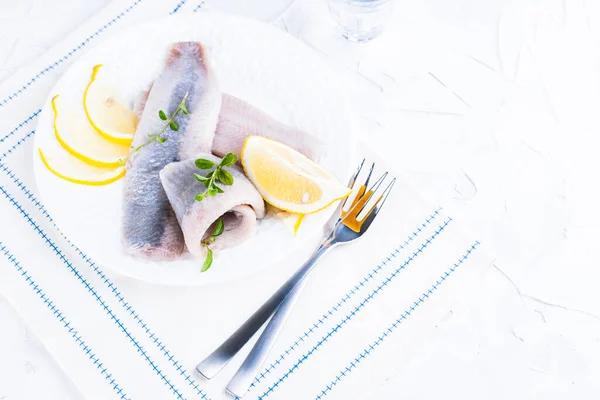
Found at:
(212, 364)
(241, 381)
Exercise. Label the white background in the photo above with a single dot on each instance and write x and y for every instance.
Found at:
(495, 116)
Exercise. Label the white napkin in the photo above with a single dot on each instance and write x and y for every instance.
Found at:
(360, 314)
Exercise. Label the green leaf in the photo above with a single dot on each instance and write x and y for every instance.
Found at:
(219, 228)
(204, 164)
(210, 174)
(225, 177)
(199, 197)
(229, 160)
(161, 139)
(208, 261)
(212, 192)
(218, 189)
(173, 125)
(162, 115)
(201, 178)
(183, 109)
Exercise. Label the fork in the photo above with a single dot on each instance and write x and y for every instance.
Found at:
(351, 224)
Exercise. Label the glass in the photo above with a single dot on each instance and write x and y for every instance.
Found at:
(361, 20)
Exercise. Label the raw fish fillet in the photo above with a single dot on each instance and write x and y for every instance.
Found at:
(238, 120)
(240, 206)
(150, 228)
(140, 101)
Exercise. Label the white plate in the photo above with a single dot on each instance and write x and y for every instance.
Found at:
(253, 61)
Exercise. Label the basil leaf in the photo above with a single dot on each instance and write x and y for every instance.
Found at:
(225, 177)
(173, 125)
(184, 109)
(201, 178)
(199, 197)
(218, 189)
(208, 261)
(210, 174)
(212, 192)
(219, 228)
(162, 115)
(229, 160)
(204, 164)
(161, 139)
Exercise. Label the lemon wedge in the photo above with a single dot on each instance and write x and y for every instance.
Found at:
(69, 168)
(299, 219)
(291, 220)
(107, 113)
(287, 179)
(76, 135)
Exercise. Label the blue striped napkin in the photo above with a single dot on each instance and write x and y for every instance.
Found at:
(360, 315)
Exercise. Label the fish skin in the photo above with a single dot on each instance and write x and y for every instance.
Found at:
(238, 120)
(240, 205)
(150, 228)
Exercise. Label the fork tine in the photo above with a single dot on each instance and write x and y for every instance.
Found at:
(350, 217)
(352, 180)
(360, 193)
(367, 193)
(355, 175)
(385, 195)
(369, 176)
(378, 182)
(374, 210)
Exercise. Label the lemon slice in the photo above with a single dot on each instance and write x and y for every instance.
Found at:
(69, 168)
(287, 179)
(76, 135)
(107, 113)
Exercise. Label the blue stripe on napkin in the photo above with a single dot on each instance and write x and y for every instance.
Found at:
(126, 306)
(65, 57)
(121, 300)
(13, 148)
(92, 291)
(151, 335)
(65, 322)
(424, 297)
(356, 309)
(178, 6)
(22, 124)
(350, 294)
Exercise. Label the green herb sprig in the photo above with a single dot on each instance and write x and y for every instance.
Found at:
(169, 123)
(219, 174)
(219, 229)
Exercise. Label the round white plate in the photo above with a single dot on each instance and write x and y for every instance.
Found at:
(253, 61)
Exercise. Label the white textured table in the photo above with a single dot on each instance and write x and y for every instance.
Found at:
(492, 107)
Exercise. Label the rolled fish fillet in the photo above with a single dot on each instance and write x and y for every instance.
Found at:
(150, 228)
(238, 120)
(240, 205)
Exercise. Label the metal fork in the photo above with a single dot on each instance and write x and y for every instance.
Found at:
(352, 223)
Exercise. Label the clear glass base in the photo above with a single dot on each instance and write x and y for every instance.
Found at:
(361, 37)
(361, 20)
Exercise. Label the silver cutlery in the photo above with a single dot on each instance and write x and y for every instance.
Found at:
(351, 224)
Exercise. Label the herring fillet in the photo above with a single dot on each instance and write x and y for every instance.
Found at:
(240, 205)
(150, 228)
(238, 120)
